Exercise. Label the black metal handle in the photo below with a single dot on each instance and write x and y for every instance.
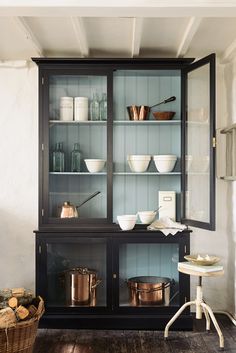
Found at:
(170, 99)
(89, 198)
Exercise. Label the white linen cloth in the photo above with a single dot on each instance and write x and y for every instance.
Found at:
(167, 226)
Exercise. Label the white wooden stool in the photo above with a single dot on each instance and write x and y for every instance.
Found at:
(199, 302)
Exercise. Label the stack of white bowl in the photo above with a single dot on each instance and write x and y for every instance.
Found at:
(165, 163)
(138, 163)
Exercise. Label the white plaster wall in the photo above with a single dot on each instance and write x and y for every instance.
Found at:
(19, 187)
(19, 175)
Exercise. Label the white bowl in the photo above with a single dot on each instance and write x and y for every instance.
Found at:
(188, 162)
(165, 163)
(138, 163)
(127, 222)
(200, 164)
(135, 157)
(95, 165)
(147, 217)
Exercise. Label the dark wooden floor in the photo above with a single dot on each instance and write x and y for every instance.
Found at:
(100, 341)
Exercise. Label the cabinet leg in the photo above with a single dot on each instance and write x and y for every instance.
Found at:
(217, 327)
(177, 314)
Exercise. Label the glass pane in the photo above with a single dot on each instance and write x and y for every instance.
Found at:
(154, 264)
(198, 147)
(78, 146)
(137, 184)
(68, 288)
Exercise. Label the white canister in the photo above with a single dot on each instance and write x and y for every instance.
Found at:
(81, 108)
(66, 108)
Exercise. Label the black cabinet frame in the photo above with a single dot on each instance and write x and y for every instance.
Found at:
(111, 315)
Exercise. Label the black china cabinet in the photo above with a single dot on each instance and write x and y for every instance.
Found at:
(87, 139)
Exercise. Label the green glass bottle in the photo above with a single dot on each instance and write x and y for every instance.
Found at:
(103, 107)
(58, 158)
(75, 158)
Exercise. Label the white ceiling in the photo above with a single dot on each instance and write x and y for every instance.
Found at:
(141, 28)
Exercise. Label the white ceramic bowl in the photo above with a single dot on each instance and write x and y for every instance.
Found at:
(165, 163)
(147, 217)
(200, 164)
(188, 162)
(127, 222)
(95, 165)
(138, 163)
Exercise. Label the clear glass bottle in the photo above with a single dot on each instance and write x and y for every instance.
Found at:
(75, 158)
(94, 107)
(103, 107)
(58, 158)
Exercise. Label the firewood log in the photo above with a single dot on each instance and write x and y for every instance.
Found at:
(13, 302)
(32, 311)
(21, 312)
(7, 318)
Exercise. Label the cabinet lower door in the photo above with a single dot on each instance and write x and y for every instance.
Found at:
(148, 275)
(76, 273)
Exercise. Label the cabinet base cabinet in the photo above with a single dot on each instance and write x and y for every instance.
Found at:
(112, 279)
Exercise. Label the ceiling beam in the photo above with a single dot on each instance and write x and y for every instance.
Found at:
(80, 34)
(136, 36)
(229, 53)
(189, 33)
(119, 8)
(29, 35)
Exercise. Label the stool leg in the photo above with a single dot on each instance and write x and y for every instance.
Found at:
(217, 327)
(208, 321)
(177, 314)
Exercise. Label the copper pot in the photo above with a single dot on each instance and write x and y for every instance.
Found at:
(80, 285)
(141, 112)
(149, 290)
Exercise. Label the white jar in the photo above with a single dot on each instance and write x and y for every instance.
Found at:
(66, 108)
(81, 108)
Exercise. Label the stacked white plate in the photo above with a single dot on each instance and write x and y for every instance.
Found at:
(165, 163)
(138, 163)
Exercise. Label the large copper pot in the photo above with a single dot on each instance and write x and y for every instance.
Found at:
(149, 290)
(80, 285)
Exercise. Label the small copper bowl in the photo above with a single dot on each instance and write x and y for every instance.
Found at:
(163, 115)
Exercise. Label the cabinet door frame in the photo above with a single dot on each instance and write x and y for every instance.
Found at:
(42, 278)
(183, 241)
(44, 75)
(208, 60)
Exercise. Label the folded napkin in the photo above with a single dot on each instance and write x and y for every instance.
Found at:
(167, 226)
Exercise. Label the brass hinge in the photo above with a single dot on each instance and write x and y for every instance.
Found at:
(42, 212)
(214, 142)
(42, 80)
(40, 249)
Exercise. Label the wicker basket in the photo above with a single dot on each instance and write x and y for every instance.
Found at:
(20, 338)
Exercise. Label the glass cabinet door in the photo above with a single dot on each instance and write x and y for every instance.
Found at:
(148, 275)
(76, 273)
(139, 139)
(199, 175)
(75, 168)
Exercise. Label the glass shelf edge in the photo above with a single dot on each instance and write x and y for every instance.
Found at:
(146, 122)
(148, 173)
(79, 173)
